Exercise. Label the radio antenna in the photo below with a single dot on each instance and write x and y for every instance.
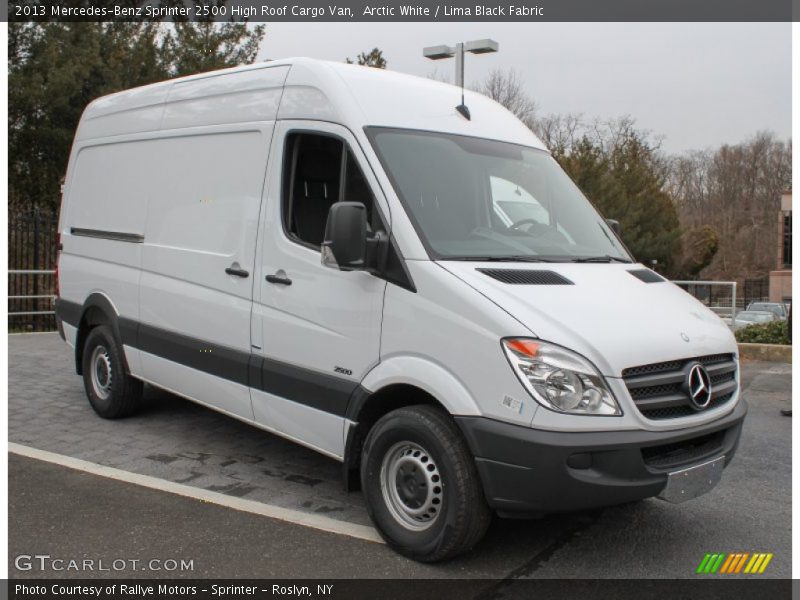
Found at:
(443, 51)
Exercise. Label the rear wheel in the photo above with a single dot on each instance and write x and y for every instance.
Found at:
(112, 392)
(421, 485)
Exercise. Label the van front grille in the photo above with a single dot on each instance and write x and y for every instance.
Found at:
(658, 389)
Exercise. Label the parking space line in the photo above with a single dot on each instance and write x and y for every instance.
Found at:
(21, 333)
(323, 523)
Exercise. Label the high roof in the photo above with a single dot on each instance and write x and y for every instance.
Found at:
(302, 88)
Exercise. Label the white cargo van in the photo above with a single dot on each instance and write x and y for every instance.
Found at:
(336, 255)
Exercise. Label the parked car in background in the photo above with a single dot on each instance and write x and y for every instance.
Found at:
(777, 308)
(753, 317)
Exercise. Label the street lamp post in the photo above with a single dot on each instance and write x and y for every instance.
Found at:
(475, 47)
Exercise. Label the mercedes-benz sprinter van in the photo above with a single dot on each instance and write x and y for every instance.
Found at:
(336, 255)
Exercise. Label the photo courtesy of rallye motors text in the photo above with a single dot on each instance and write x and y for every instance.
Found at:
(430, 301)
(145, 590)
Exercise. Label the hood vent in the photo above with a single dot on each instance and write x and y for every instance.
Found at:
(647, 275)
(526, 277)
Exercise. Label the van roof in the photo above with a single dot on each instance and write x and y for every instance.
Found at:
(302, 88)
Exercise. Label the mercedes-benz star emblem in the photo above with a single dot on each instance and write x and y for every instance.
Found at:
(698, 386)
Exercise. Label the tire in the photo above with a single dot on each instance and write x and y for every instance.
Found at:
(112, 392)
(421, 486)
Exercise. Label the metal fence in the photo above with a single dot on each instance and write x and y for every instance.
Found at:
(755, 290)
(727, 298)
(719, 296)
(32, 251)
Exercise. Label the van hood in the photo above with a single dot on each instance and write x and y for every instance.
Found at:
(607, 314)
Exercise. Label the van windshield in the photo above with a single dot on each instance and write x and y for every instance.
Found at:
(477, 199)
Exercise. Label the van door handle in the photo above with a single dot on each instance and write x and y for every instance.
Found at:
(281, 279)
(236, 271)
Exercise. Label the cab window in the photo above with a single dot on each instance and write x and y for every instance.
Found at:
(319, 170)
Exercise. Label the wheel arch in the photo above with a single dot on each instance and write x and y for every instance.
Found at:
(97, 310)
(396, 383)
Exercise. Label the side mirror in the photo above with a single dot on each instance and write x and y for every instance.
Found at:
(614, 224)
(345, 243)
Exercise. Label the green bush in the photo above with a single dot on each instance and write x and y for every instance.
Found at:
(775, 332)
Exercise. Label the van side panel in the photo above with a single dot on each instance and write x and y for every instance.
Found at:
(101, 225)
(202, 218)
(446, 340)
(128, 112)
(233, 98)
(108, 190)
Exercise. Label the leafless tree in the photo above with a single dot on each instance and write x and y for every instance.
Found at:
(506, 87)
(560, 133)
(735, 190)
(727, 198)
(436, 75)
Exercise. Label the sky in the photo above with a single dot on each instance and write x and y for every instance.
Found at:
(695, 85)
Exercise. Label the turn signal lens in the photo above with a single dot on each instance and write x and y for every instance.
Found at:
(524, 347)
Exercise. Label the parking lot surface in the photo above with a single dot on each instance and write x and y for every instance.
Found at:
(59, 511)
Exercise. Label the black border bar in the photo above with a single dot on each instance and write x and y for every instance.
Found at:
(697, 587)
(410, 11)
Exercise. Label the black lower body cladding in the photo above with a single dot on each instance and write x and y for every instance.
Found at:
(526, 471)
(326, 392)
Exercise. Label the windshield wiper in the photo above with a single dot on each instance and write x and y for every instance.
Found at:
(517, 258)
(600, 259)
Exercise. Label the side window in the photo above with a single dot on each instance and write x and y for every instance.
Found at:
(319, 170)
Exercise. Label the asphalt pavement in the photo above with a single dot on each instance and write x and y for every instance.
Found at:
(69, 514)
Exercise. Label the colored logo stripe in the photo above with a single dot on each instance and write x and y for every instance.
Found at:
(727, 564)
(703, 563)
(736, 562)
(710, 563)
(740, 564)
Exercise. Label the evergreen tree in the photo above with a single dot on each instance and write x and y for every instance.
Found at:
(644, 209)
(56, 69)
(624, 178)
(196, 47)
(700, 246)
(372, 59)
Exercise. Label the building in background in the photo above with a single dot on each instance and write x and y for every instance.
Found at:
(780, 280)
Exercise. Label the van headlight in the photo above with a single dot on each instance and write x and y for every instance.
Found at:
(559, 379)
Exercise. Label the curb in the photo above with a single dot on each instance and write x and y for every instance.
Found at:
(766, 352)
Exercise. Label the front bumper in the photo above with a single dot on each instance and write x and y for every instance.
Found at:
(529, 471)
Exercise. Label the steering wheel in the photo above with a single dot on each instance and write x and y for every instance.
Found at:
(522, 222)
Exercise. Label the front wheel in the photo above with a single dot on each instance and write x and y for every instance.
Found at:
(112, 392)
(421, 486)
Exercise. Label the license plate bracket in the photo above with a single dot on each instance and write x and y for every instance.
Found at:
(694, 481)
